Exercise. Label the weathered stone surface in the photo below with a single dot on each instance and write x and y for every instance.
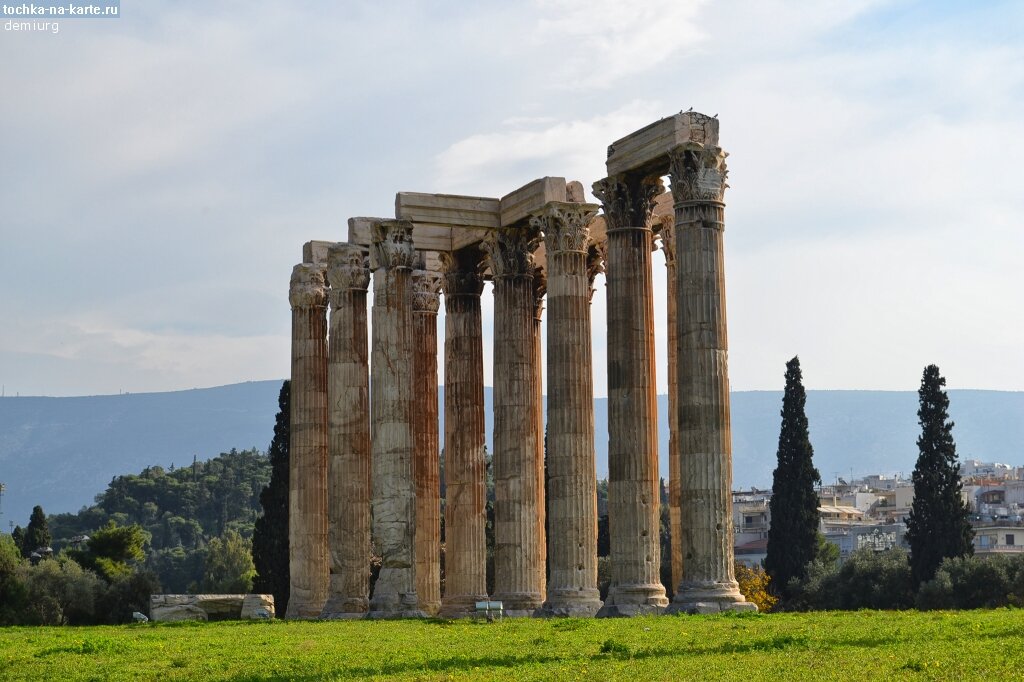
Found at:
(348, 433)
(448, 222)
(465, 468)
(539, 289)
(175, 607)
(531, 198)
(572, 493)
(392, 443)
(667, 234)
(257, 607)
(633, 493)
(307, 496)
(647, 149)
(517, 549)
(426, 461)
(315, 252)
(698, 175)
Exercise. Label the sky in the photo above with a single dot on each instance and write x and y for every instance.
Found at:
(161, 171)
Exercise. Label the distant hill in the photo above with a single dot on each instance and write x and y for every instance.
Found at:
(61, 452)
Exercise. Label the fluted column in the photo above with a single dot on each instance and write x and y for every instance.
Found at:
(426, 288)
(633, 486)
(667, 234)
(465, 469)
(517, 549)
(539, 288)
(307, 465)
(698, 175)
(394, 494)
(572, 485)
(348, 433)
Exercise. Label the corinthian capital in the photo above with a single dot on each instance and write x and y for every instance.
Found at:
(347, 268)
(667, 235)
(510, 251)
(698, 174)
(307, 288)
(628, 200)
(426, 291)
(392, 245)
(460, 271)
(565, 226)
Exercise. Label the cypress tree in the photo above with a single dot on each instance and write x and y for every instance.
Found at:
(793, 535)
(270, 537)
(939, 525)
(37, 534)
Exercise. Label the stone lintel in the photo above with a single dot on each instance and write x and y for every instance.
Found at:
(447, 222)
(646, 150)
(315, 252)
(517, 205)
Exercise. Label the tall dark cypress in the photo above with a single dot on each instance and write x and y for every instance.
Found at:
(270, 537)
(793, 535)
(939, 523)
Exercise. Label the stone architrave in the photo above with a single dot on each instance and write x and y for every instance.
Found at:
(307, 494)
(348, 433)
(426, 463)
(517, 549)
(572, 484)
(394, 496)
(465, 468)
(539, 288)
(667, 234)
(633, 484)
(698, 175)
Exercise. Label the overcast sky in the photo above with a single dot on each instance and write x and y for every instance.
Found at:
(160, 172)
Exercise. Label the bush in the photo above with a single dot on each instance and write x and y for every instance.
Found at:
(973, 583)
(754, 583)
(13, 593)
(60, 592)
(126, 595)
(868, 580)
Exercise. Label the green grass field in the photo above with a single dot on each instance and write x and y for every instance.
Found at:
(867, 645)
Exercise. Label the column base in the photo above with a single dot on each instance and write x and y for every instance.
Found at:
(707, 597)
(298, 611)
(431, 608)
(570, 604)
(338, 607)
(462, 606)
(634, 600)
(519, 604)
(394, 605)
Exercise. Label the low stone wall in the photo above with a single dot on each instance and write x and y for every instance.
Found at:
(173, 607)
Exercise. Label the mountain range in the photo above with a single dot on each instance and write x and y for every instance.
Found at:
(61, 452)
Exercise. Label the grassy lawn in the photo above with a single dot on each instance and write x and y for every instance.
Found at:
(819, 646)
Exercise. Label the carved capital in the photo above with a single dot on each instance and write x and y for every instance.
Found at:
(698, 174)
(666, 234)
(597, 252)
(426, 291)
(565, 226)
(460, 272)
(540, 287)
(628, 200)
(347, 269)
(510, 251)
(307, 288)
(392, 245)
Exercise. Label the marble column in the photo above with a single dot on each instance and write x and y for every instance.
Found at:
(348, 433)
(698, 175)
(539, 288)
(667, 234)
(465, 469)
(517, 550)
(426, 300)
(307, 466)
(633, 485)
(394, 495)
(572, 482)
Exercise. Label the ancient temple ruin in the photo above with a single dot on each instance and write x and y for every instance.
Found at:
(364, 412)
